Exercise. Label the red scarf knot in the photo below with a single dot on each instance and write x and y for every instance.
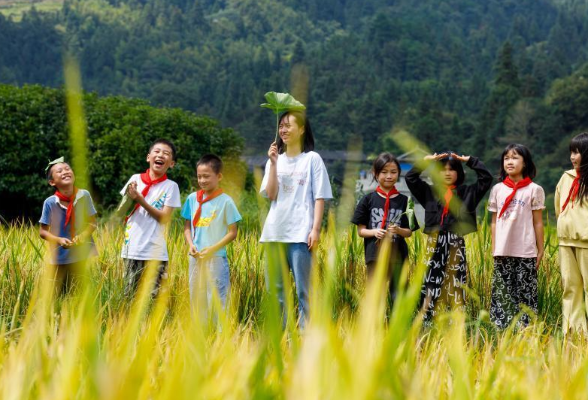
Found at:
(447, 198)
(573, 191)
(514, 186)
(387, 195)
(70, 214)
(201, 200)
(146, 178)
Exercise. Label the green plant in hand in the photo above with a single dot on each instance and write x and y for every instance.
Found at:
(279, 103)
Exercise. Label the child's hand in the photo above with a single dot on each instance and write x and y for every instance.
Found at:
(65, 242)
(313, 239)
(193, 251)
(272, 153)
(205, 253)
(132, 191)
(539, 259)
(435, 157)
(394, 230)
(379, 233)
(460, 158)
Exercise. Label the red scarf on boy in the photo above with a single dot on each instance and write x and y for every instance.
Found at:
(447, 197)
(573, 191)
(146, 178)
(201, 200)
(70, 213)
(515, 186)
(392, 192)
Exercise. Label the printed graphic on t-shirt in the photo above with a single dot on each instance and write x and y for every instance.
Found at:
(377, 215)
(513, 208)
(127, 234)
(160, 201)
(290, 180)
(205, 222)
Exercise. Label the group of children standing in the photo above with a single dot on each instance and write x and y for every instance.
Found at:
(297, 184)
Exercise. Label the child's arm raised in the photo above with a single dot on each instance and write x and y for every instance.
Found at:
(48, 236)
(419, 188)
(162, 216)
(228, 238)
(538, 226)
(484, 181)
(272, 182)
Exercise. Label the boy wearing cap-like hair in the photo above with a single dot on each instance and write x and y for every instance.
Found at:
(67, 223)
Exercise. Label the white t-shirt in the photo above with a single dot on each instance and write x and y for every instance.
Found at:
(144, 236)
(515, 232)
(301, 180)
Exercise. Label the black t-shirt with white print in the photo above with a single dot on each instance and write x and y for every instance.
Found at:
(370, 212)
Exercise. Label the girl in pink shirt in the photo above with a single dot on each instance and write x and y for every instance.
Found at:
(517, 205)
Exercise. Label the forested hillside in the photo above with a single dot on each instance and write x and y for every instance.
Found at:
(459, 74)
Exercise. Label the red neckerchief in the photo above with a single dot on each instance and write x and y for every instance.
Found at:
(514, 186)
(387, 205)
(573, 191)
(201, 200)
(447, 197)
(70, 214)
(146, 178)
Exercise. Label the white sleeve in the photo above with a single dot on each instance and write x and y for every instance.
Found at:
(262, 190)
(321, 186)
(174, 199)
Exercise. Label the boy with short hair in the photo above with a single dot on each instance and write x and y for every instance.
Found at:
(155, 198)
(211, 223)
(67, 223)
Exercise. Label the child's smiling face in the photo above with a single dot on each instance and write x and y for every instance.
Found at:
(62, 176)
(208, 180)
(160, 159)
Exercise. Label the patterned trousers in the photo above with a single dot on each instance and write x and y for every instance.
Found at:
(446, 275)
(514, 282)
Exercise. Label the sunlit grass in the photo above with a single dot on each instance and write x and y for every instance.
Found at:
(99, 345)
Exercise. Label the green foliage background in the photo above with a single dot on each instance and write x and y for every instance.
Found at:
(458, 74)
(120, 130)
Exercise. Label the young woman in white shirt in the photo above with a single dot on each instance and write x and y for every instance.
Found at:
(297, 183)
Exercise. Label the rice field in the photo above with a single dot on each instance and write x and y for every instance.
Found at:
(97, 344)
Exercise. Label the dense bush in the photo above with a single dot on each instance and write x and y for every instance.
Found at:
(33, 130)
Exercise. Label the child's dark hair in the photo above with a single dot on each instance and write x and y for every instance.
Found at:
(529, 169)
(307, 137)
(381, 161)
(455, 165)
(213, 161)
(579, 144)
(167, 143)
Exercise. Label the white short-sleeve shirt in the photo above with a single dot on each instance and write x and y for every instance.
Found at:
(515, 233)
(144, 236)
(301, 181)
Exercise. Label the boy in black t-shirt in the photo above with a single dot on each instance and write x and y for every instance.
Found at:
(381, 215)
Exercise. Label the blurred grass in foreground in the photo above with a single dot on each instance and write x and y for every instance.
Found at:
(97, 346)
